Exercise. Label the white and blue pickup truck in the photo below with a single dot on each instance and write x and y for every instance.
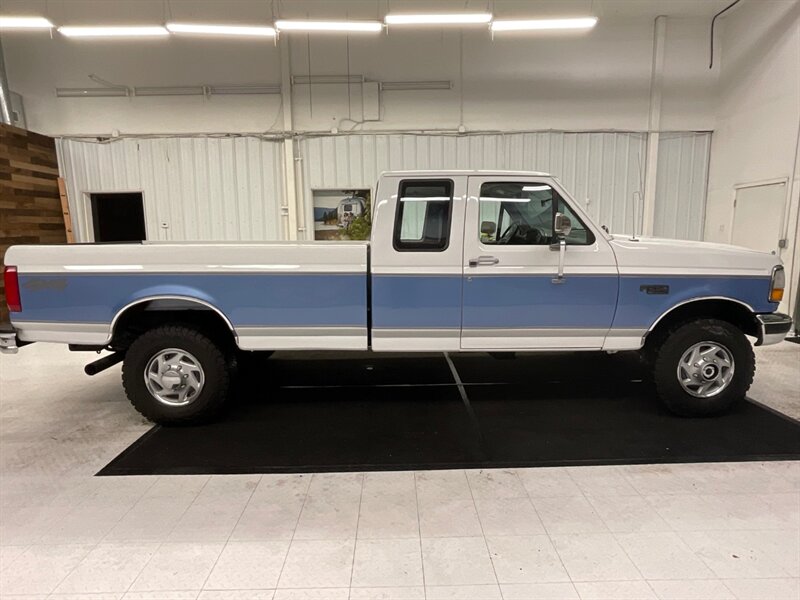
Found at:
(459, 261)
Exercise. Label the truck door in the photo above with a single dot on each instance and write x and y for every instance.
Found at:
(513, 297)
(416, 252)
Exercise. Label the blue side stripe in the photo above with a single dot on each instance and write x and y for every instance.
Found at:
(246, 299)
(411, 301)
(638, 309)
(535, 301)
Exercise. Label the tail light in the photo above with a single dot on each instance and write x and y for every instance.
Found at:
(11, 282)
(777, 284)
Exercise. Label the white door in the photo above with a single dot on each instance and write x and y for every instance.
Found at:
(416, 263)
(758, 216)
(512, 297)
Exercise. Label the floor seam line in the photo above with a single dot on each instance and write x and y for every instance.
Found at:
(547, 532)
(228, 539)
(419, 533)
(294, 531)
(162, 542)
(483, 534)
(355, 539)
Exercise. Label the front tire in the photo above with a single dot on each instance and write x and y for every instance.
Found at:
(703, 368)
(176, 375)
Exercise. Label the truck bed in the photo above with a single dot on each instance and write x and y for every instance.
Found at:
(272, 295)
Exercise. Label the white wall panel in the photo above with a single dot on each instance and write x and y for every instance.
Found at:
(209, 188)
(601, 170)
(681, 183)
(203, 188)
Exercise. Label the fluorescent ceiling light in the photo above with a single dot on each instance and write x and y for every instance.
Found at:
(348, 26)
(544, 24)
(125, 31)
(243, 30)
(440, 19)
(25, 23)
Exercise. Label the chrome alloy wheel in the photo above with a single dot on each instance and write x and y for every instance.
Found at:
(174, 377)
(706, 369)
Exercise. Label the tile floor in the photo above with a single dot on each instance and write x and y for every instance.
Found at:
(696, 531)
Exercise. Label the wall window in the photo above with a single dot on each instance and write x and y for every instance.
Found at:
(423, 215)
(522, 213)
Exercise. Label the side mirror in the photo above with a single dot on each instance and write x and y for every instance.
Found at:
(562, 225)
(488, 227)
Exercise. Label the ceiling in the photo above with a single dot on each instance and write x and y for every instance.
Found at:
(92, 12)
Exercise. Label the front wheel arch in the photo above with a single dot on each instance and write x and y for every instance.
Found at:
(735, 313)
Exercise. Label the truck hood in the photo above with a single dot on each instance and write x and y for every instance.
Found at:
(675, 257)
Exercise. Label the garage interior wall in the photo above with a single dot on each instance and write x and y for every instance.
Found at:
(206, 188)
(757, 129)
(601, 170)
(193, 188)
(681, 184)
(499, 90)
(593, 81)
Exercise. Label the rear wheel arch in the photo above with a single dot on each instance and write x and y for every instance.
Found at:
(150, 312)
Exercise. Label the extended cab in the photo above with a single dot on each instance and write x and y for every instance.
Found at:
(459, 261)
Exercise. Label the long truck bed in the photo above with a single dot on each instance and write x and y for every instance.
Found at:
(272, 295)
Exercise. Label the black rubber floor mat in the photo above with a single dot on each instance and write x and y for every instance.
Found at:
(356, 414)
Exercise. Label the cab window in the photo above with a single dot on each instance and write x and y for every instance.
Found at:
(522, 213)
(422, 221)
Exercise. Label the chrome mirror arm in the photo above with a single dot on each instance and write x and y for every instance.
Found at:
(562, 248)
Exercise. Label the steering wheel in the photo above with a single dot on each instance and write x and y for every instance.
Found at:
(534, 237)
(509, 233)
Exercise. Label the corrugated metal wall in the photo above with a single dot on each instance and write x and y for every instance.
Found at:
(208, 188)
(601, 170)
(202, 188)
(681, 182)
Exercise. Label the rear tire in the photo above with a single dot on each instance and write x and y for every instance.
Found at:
(703, 368)
(176, 375)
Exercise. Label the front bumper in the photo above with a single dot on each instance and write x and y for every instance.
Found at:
(773, 328)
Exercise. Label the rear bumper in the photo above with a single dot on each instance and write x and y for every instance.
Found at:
(773, 328)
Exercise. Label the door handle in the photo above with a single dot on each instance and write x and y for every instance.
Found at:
(483, 260)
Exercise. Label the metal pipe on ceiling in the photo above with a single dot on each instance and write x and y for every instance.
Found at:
(5, 93)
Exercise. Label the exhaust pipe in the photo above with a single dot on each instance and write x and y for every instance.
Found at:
(101, 364)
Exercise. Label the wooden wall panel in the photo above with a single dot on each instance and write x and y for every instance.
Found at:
(30, 205)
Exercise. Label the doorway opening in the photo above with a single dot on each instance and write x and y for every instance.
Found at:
(118, 217)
